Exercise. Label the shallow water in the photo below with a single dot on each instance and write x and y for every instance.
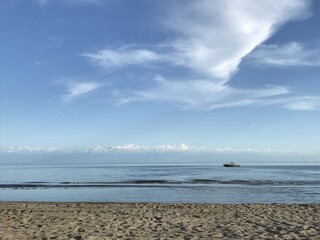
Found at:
(161, 183)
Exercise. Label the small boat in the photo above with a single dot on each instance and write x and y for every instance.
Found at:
(231, 164)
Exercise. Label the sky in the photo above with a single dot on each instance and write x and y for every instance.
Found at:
(210, 76)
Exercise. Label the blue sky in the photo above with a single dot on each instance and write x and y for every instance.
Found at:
(207, 75)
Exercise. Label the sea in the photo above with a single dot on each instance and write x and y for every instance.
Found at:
(167, 183)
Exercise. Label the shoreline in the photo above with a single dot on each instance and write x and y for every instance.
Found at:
(111, 220)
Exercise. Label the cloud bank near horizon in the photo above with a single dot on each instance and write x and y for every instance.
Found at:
(133, 148)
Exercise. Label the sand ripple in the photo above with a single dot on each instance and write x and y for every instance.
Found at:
(158, 221)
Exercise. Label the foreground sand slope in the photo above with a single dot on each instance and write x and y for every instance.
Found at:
(158, 221)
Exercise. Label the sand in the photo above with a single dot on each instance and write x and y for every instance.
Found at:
(158, 221)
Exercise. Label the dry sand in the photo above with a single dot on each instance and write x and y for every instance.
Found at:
(158, 221)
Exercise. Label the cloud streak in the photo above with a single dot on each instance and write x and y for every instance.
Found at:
(206, 94)
(110, 59)
(75, 90)
(290, 54)
(303, 103)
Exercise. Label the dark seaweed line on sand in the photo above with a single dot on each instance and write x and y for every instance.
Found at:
(158, 183)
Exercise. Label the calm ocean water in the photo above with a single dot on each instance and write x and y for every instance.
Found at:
(163, 183)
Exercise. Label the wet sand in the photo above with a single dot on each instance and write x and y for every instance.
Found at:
(158, 221)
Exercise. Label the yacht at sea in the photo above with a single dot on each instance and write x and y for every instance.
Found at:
(231, 164)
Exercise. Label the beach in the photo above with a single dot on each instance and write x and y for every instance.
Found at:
(33, 220)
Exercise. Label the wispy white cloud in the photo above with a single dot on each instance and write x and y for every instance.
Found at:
(206, 94)
(295, 103)
(109, 59)
(290, 54)
(211, 39)
(212, 36)
(303, 103)
(215, 35)
(75, 90)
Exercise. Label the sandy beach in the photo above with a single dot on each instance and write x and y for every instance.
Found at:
(158, 221)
